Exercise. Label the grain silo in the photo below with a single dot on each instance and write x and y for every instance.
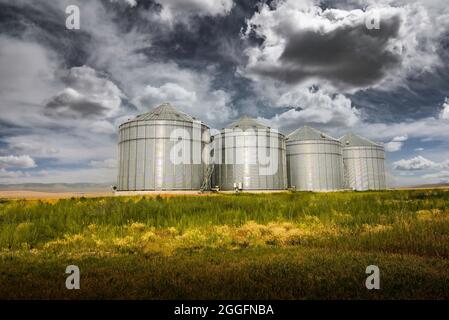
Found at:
(162, 150)
(314, 161)
(364, 163)
(249, 156)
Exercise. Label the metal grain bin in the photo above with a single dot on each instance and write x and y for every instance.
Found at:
(250, 156)
(364, 163)
(314, 161)
(151, 146)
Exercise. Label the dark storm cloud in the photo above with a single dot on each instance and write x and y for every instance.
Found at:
(133, 17)
(349, 55)
(422, 97)
(65, 105)
(209, 40)
(8, 129)
(88, 94)
(45, 24)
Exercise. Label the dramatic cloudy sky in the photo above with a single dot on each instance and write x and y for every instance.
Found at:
(289, 63)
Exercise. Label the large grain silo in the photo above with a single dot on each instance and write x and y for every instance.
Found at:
(364, 163)
(161, 150)
(314, 161)
(249, 156)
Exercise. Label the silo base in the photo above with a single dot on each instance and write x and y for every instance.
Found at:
(156, 192)
(254, 191)
(189, 192)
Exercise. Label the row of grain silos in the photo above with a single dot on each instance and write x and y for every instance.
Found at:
(166, 149)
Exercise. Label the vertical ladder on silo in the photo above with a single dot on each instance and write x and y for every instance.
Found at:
(207, 178)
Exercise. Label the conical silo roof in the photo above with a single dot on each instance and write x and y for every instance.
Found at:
(308, 133)
(165, 112)
(245, 123)
(353, 140)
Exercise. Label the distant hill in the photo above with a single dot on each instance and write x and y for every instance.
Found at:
(428, 186)
(59, 187)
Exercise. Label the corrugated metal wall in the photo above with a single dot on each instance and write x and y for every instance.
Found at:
(364, 167)
(144, 156)
(237, 162)
(315, 165)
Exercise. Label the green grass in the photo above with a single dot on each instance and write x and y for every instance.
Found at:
(285, 246)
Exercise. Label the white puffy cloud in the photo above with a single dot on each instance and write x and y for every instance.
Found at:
(167, 92)
(315, 108)
(23, 162)
(182, 11)
(421, 170)
(209, 105)
(88, 94)
(416, 163)
(188, 90)
(444, 115)
(396, 143)
(131, 3)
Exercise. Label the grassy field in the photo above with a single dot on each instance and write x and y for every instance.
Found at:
(245, 246)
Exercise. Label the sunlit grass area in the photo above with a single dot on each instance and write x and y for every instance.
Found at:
(286, 246)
